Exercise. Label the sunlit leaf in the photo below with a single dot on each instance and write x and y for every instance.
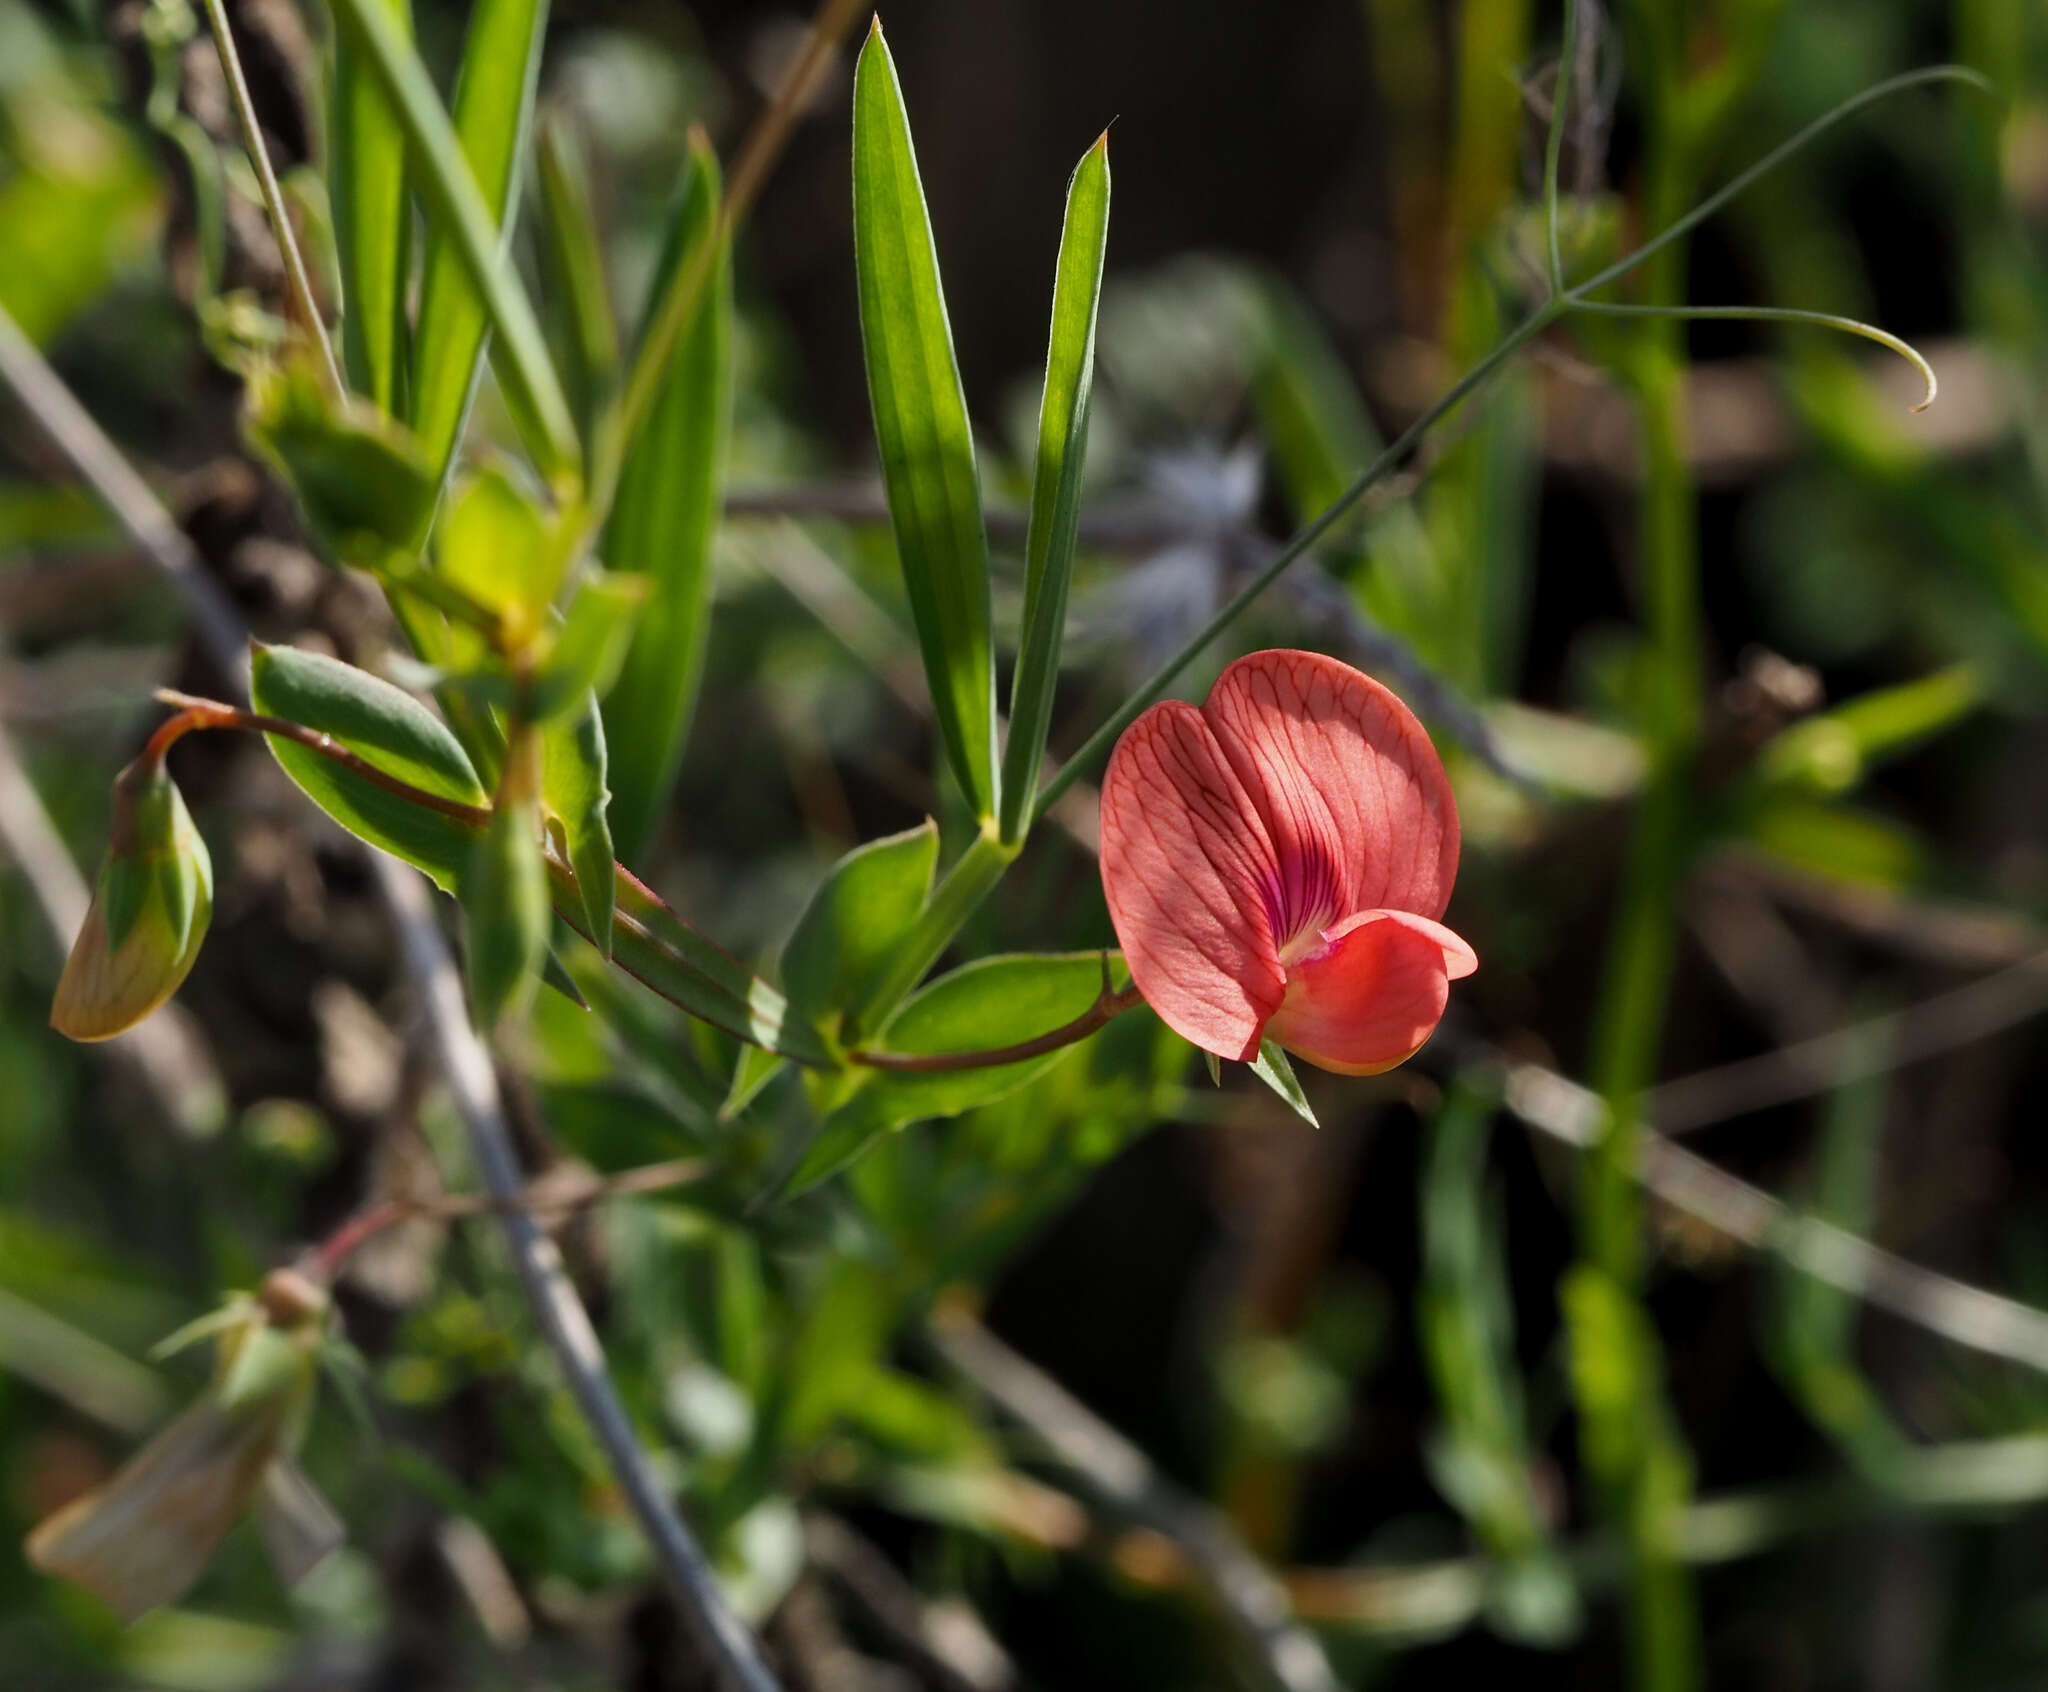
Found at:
(588, 647)
(372, 227)
(1056, 485)
(466, 182)
(856, 920)
(982, 1006)
(386, 727)
(499, 547)
(921, 427)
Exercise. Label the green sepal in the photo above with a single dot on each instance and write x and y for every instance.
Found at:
(1271, 1066)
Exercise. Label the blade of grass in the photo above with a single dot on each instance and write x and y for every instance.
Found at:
(1056, 487)
(492, 114)
(464, 245)
(574, 256)
(372, 227)
(921, 427)
(664, 517)
(1553, 148)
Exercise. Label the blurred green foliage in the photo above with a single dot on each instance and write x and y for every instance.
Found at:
(1567, 594)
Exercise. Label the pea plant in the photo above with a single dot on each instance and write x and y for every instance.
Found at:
(536, 486)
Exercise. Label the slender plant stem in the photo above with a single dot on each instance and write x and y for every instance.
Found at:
(154, 530)
(1775, 314)
(1553, 147)
(1633, 1452)
(1682, 226)
(1390, 460)
(212, 714)
(1285, 1655)
(536, 1198)
(473, 1086)
(300, 283)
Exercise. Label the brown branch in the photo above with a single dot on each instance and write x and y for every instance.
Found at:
(1107, 1007)
(545, 1197)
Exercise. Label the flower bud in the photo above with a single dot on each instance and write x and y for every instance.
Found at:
(148, 915)
(145, 1537)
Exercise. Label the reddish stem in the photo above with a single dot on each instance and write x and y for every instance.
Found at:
(196, 713)
(211, 714)
(323, 1262)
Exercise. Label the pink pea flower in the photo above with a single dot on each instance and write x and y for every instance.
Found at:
(1275, 864)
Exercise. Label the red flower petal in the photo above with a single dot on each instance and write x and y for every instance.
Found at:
(1371, 993)
(1351, 791)
(1188, 871)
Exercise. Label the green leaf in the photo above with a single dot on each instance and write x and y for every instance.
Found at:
(573, 796)
(505, 902)
(1319, 432)
(834, 1353)
(584, 658)
(657, 948)
(1839, 842)
(384, 726)
(857, 919)
(372, 227)
(1056, 485)
(665, 515)
(577, 293)
(1810, 1326)
(1271, 1066)
(361, 483)
(982, 1006)
(503, 551)
(921, 427)
(1828, 754)
(468, 188)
